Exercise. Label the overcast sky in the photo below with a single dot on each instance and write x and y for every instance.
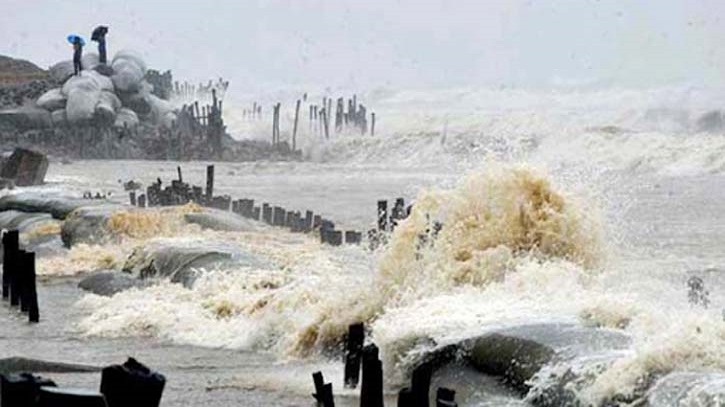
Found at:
(404, 43)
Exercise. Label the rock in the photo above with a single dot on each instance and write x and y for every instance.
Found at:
(25, 167)
(215, 219)
(108, 283)
(51, 100)
(61, 71)
(20, 365)
(182, 259)
(59, 207)
(25, 118)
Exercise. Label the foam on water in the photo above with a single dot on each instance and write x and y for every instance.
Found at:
(514, 248)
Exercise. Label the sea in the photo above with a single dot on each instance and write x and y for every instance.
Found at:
(585, 206)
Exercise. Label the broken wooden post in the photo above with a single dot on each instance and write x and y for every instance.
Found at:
(294, 131)
(371, 392)
(382, 215)
(209, 183)
(11, 245)
(132, 198)
(323, 392)
(279, 216)
(142, 201)
(307, 228)
(353, 354)
(353, 237)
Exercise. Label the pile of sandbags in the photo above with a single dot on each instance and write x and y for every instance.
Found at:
(115, 95)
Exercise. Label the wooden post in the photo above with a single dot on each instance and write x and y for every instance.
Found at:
(274, 125)
(382, 215)
(11, 245)
(209, 183)
(142, 201)
(294, 131)
(132, 198)
(353, 354)
(420, 384)
(178, 171)
(372, 123)
(325, 123)
(323, 392)
(31, 296)
(371, 392)
(196, 108)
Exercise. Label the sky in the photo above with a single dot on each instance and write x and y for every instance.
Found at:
(387, 43)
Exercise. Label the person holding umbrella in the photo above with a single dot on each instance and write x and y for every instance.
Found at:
(78, 44)
(99, 35)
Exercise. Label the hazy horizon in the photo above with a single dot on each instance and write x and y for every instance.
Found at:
(361, 45)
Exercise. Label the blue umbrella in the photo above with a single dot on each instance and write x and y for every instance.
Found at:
(73, 38)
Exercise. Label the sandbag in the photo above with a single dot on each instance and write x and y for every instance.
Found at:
(89, 60)
(57, 206)
(25, 118)
(129, 71)
(51, 100)
(88, 81)
(81, 106)
(61, 71)
(108, 283)
(181, 259)
(108, 104)
(87, 224)
(126, 117)
(59, 117)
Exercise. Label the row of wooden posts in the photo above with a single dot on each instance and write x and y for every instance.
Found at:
(189, 91)
(18, 282)
(355, 118)
(206, 123)
(367, 359)
(180, 193)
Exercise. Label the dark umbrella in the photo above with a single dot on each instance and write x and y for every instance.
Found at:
(99, 32)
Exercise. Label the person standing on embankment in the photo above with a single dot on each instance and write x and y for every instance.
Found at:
(77, 55)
